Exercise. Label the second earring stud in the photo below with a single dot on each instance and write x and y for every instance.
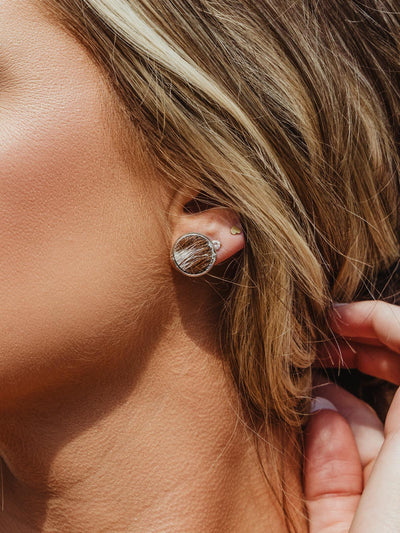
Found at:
(194, 254)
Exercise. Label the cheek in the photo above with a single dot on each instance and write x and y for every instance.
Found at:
(77, 246)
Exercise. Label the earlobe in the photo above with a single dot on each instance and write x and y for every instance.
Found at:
(202, 240)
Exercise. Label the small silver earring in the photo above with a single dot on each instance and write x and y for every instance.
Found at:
(194, 254)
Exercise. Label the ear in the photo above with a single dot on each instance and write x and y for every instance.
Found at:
(217, 223)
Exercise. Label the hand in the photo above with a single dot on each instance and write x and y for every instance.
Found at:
(370, 339)
(352, 463)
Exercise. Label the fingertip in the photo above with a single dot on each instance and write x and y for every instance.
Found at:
(332, 463)
(337, 315)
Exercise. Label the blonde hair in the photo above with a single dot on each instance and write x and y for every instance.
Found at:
(288, 113)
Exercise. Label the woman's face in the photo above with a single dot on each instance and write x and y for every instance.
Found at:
(81, 234)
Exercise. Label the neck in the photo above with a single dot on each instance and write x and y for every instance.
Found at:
(156, 449)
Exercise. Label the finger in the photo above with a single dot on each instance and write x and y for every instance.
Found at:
(364, 422)
(332, 473)
(371, 319)
(392, 423)
(379, 506)
(377, 361)
(339, 354)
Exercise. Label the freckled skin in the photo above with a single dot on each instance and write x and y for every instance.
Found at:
(116, 413)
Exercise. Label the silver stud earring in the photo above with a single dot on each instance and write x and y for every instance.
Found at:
(194, 254)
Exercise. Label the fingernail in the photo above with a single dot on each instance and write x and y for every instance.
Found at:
(318, 404)
(336, 308)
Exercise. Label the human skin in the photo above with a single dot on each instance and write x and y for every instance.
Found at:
(351, 466)
(115, 411)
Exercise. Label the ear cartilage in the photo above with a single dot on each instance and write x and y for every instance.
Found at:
(235, 230)
(194, 254)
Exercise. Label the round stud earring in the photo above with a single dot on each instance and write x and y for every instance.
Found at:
(194, 254)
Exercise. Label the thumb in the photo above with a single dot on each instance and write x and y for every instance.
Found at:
(333, 479)
(379, 506)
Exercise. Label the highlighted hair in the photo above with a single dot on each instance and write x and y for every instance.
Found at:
(288, 113)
